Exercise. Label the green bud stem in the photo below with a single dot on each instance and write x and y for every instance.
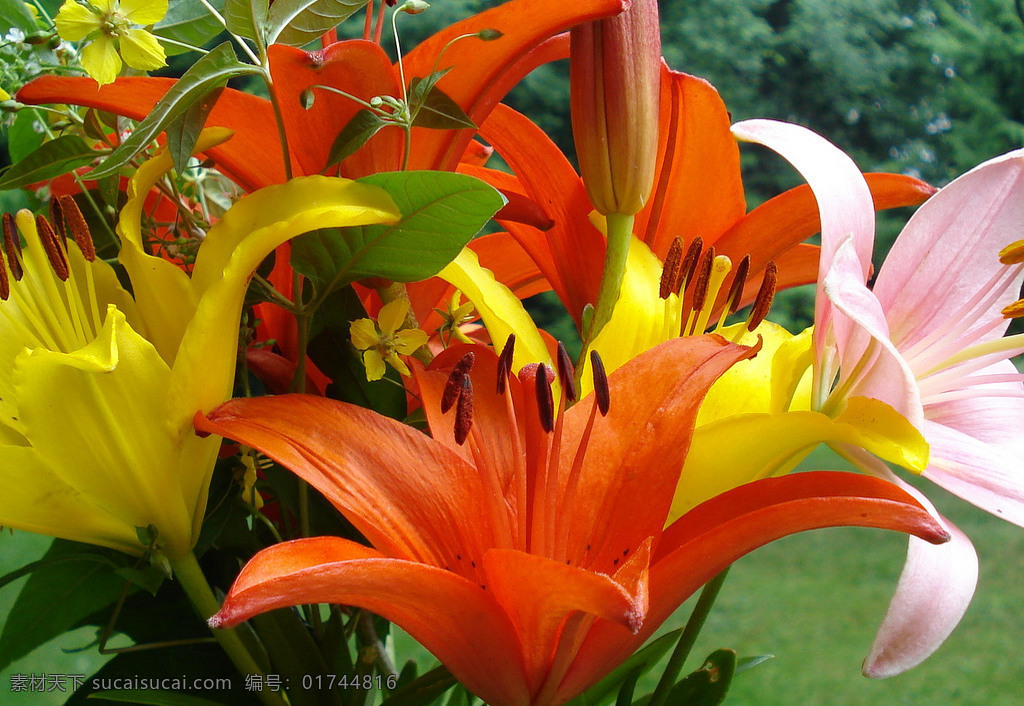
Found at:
(620, 231)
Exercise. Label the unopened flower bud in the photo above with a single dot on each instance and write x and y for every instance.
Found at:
(615, 70)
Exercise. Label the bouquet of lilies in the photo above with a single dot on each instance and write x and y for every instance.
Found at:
(269, 379)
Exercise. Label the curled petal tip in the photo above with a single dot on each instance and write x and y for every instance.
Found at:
(216, 621)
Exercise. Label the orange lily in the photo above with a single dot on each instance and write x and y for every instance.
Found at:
(523, 546)
(698, 192)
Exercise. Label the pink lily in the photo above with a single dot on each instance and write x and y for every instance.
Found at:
(927, 340)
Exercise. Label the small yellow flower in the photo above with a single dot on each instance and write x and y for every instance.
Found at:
(383, 341)
(113, 28)
(456, 315)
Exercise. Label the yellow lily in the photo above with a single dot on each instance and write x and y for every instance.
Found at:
(99, 388)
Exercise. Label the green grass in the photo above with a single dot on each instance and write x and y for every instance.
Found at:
(813, 600)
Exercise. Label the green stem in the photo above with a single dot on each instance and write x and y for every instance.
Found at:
(620, 231)
(194, 583)
(687, 639)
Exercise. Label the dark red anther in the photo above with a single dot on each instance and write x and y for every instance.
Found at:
(703, 281)
(566, 372)
(12, 246)
(505, 362)
(54, 248)
(78, 226)
(732, 303)
(688, 265)
(464, 410)
(453, 388)
(545, 403)
(5, 282)
(765, 295)
(601, 392)
(670, 273)
(57, 217)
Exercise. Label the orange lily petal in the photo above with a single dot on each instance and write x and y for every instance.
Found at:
(449, 615)
(476, 83)
(706, 540)
(392, 482)
(697, 187)
(358, 67)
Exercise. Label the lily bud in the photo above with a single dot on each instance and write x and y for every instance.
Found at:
(615, 70)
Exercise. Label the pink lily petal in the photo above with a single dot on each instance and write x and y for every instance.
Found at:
(948, 251)
(933, 593)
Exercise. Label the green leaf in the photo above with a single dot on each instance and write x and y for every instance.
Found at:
(147, 697)
(14, 13)
(709, 685)
(189, 22)
(49, 160)
(70, 582)
(605, 690)
(204, 76)
(422, 690)
(246, 18)
(356, 133)
(299, 22)
(22, 136)
(438, 111)
(441, 212)
(183, 132)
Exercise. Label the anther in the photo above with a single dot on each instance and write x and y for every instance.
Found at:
(689, 264)
(79, 228)
(54, 248)
(12, 246)
(700, 285)
(464, 411)
(545, 404)
(57, 217)
(566, 372)
(601, 393)
(1012, 254)
(1014, 311)
(505, 362)
(763, 300)
(739, 279)
(5, 283)
(453, 388)
(673, 261)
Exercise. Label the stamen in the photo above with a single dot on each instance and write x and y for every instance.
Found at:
(736, 288)
(12, 246)
(464, 410)
(1012, 254)
(669, 273)
(545, 403)
(505, 362)
(5, 283)
(566, 372)
(720, 268)
(1014, 311)
(79, 228)
(453, 388)
(57, 217)
(689, 264)
(765, 295)
(54, 248)
(601, 392)
(700, 286)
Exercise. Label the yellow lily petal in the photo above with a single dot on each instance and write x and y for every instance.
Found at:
(75, 22)
(741, 448)
(374, 364)
(141, 50)
(391, 316)
(501, 310)
(407, 341)
(364, 334)
(36, 500)
(101, 61)
(98, 417)
(143, 12)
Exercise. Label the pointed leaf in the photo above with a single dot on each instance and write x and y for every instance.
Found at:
(51, 159)
(246, 18)
(299, 22)
(441, 212)
(439, 112)
(183, 133)
(356, 133)
(206, 74)
(708, 685)
(78, 578)
(422, 690)
(188, 22)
